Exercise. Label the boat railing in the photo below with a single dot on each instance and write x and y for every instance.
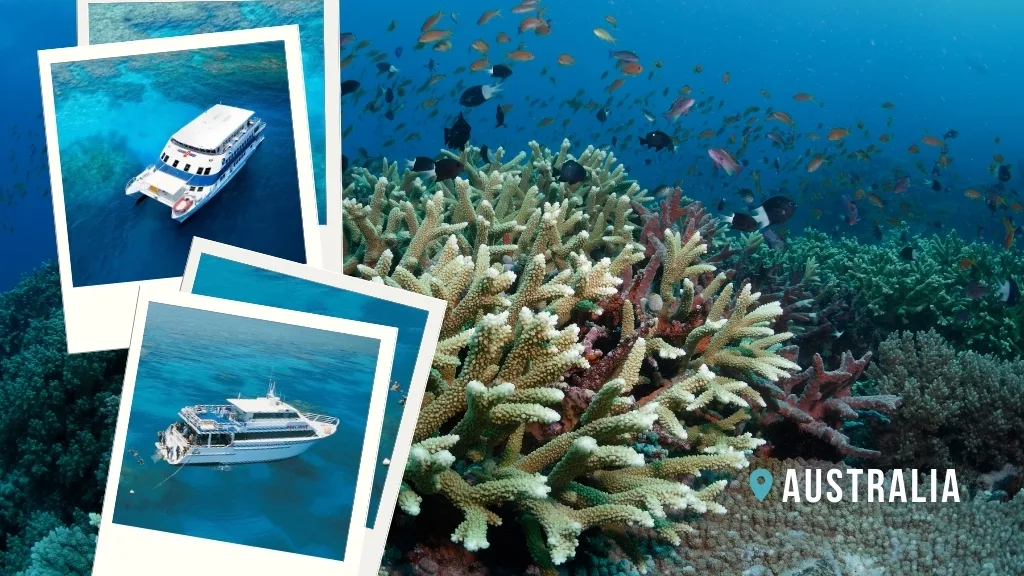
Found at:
(134, 178)
(192, 417)
(321, 419)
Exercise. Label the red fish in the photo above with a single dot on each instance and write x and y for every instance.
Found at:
(725, 161)
(902, 185)
(852, 216)
(681, 107)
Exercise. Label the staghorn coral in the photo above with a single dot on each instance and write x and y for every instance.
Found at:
(929, 292)
(524, 262)
(825, 401)
(961, 410)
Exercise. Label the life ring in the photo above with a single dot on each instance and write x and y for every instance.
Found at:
(183, 204)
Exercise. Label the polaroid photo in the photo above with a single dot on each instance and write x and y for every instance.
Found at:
(232, 273)
(153, 142)
(319, 22)
(246, 439)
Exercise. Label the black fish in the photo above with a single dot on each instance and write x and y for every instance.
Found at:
(742, 222)
(344, 162)
(950, 134)
(1004, 173)
(602, 114)
(457, 136)
(500, 116)
(1009, 293)
(420, 164)
(936, 185)
(390, 114)
(909, 254)
(389, 94)
(477, 95)
(383, 67)
(876, 231)
(657, 140)
(349, 86)
(500, 71)
(747, 194)
(721, 204)
(447, 169)
(572, 172)
(778, 209)
(398, 52)
(615, 140)
(484, 154)
(430, 65)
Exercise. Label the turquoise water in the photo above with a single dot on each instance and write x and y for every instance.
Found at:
(236, 281)
(120, 22)
(113, 118)
(302, 504)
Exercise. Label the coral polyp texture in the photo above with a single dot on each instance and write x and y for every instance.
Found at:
(555, 357)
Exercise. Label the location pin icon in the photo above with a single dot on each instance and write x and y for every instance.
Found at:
(761, 483)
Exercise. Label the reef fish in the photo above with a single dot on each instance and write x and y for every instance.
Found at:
(775, 210)
(725, 161)
(658, 140)
(477, 95)
(457, 136)
(681, 107)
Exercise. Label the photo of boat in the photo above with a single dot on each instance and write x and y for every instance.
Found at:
(199, 160)
(243, 431)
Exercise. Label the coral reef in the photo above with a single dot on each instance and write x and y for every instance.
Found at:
(528, 266)
(825, 402)
(962, 410)
(975, 536)
(56, 429)
(892, 293)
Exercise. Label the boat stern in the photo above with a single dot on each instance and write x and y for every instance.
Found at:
(171, 446)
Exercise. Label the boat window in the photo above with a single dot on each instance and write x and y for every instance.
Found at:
(175, 165)
(191, 188)
(207, 171)
(200, 188)
(275, 435)
(187, 166)
(274, 415)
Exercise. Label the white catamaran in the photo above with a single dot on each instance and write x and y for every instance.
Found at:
(243, 431)
(199, 160)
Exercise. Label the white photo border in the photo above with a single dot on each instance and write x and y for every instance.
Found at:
(376, 537)
(122, 550)
(100, 317)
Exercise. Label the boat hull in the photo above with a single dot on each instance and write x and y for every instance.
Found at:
(228, 176)
(238, 453)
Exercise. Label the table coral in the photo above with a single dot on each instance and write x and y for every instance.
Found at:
(527, 265)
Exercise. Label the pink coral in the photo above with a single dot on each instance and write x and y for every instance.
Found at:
(825, 401)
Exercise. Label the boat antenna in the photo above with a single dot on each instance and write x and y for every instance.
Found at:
(272, 385)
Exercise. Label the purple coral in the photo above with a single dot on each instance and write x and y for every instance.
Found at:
(825, 401)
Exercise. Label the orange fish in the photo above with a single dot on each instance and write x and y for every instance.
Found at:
(888, 105)
(431, 21)
(892, 221)
(972, 193)
(615, 85)
(566, 60)
(530, 23)
(685, 90)
(965, 263)
(883, 138)
(487, 16)
(815, 163)
(503, 38)
(766, 93)
(782, 117)
(803, 97)
(816, 212)
(479, 65)
(913, 149)
(520, 56)
(480, 46)
(998, 158)
(838, 134)
(632, 68)
(524, 7)
(932, 141)
(543, 29)
(725, 78)
(706, 133)
(859, 194)
(442, 46)
(545, 122)
(611, 20)
(1008, 239)
(874, 199)
(434, 35)
(698, 68)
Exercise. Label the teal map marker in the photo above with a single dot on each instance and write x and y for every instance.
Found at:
(761, 483)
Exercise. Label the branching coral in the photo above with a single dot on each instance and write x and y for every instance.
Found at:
(825, 402)
(527, 266)
(928, 292)
(962, 410)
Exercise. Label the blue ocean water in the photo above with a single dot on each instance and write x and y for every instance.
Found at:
(945, 64)
(114, 116)
(302, 504)
(232, 280)
(119, 22)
